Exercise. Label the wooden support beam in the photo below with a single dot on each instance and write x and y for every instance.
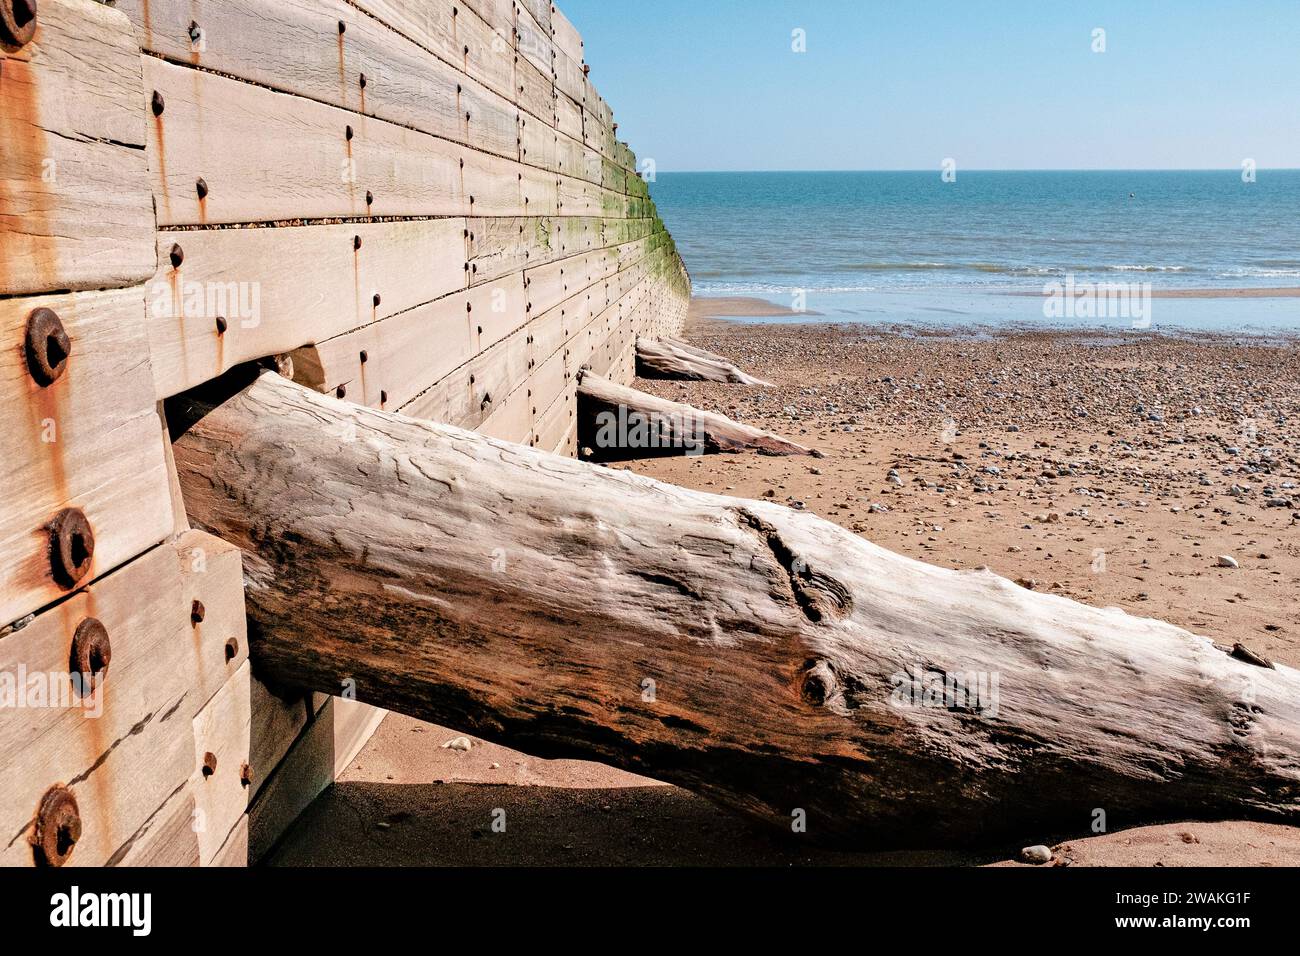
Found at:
(617, 423)
(763, 657)
(667, 358)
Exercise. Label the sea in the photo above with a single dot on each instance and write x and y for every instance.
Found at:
(995, 248)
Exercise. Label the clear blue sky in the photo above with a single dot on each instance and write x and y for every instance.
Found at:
(904, 84)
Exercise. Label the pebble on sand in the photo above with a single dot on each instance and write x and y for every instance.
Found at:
(1226, 561)
(457, 743)
(1037, 855)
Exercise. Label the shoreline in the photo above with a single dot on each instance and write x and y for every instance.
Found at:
(730, 311)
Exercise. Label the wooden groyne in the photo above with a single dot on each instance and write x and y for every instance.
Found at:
(419, 206)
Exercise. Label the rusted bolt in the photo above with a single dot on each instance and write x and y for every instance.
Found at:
(195, 32)
(222, 325)
(197, 612)
(341, 391)
(209, 764)
(91, 654)
(48, 346)
(365, 356)
(343, 28)
(232, 650)
(72, 546)
(363, 81)
(17, 21)
(356, 242)
(370, 198)
(157, 103)
(347, 131)
(383, 397)
(176, 255)
(377, 300)
(202, 188)
(58, 827)
(245, 774)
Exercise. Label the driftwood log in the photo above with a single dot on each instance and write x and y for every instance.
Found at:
(763, 657)
(668, 358)
(618, 423)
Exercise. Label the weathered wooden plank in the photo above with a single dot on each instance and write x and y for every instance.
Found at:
(566, 37)
(535, 90)
(167, 838)
(212, 575)
(386, 363)
(75, 209)
(552, 427)
(276, 722)
(222, 778)
(531, 42)
(296, 46)
(540, 11)
(306, 770)
(468, 396)
(569, 78)
(500, 246)
(282, 288)
(541, 192)
(295, 161)
(511, 419)
(234, 852)
(354, 723)
(568, 116)
(123, 749)
(455, 33)
(89, 440)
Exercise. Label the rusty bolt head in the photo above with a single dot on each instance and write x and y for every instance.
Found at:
(222, 325)
(17, 22)
(91, 654)
(232, 649)
(383, 397)
(377, 300)
(347, 132)
(72, 547)
(58, 827)
(195, 31)
(356, 242)
(201, 187)
(245, 775)
(209, 764)
(176, 255)
(157, 103)
(197, 612)
(370, 198)
(341, 391)
(365, 356)
(363, 81)
(48, 346)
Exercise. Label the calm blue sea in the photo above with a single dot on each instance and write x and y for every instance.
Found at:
(909, 247)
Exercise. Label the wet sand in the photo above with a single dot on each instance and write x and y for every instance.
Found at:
(1110, 468)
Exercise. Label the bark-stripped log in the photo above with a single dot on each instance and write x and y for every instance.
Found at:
(667, 358)
(757, 655)
(618, 423)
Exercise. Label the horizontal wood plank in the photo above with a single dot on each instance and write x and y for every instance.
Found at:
(75, 209)
(89, 440)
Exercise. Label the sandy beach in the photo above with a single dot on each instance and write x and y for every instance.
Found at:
(1114, 469)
